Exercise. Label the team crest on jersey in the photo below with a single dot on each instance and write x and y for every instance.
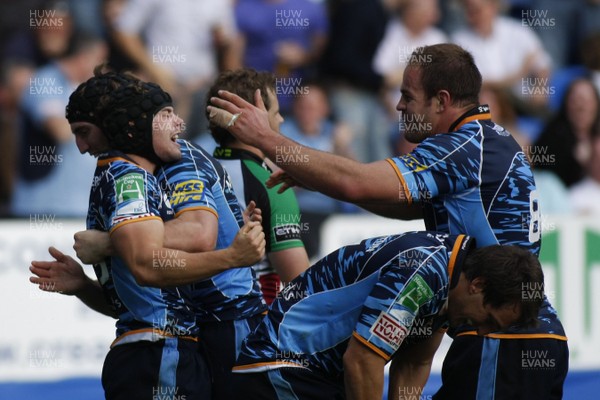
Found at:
(389, 331)
(130, 195)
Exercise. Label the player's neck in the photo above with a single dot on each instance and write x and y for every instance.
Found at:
(242, 146)
(143, 162)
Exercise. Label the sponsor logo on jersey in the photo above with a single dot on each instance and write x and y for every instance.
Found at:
(185, 191)
(389, 331)
(130, 194)
(117, 220)
(415, 293)
(282, 233)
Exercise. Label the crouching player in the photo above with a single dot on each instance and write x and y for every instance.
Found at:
(331, 331)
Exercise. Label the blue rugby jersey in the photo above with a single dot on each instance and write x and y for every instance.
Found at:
(199, 182)
(381, 291)
(122, 193)
(477, 180)
(474, 180)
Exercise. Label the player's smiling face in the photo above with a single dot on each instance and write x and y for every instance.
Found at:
(166, 127)
(89, 138)
(417, 111)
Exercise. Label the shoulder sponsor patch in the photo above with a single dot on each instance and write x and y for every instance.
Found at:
(389, 331)
(118, 220)
(415, 293)
(130, 195)
(282, 233)
(190, 190)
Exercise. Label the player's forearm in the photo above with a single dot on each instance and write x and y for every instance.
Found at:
(362, 382)
(410, 379)
(411, 366)
(169, 267)
(91, 295)
(333, 175)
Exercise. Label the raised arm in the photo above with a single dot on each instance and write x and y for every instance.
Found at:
(333, 175)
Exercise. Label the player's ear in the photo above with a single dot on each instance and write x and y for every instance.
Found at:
(442, 100)
(476, 285)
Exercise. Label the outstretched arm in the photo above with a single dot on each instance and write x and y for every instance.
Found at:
(65, 276)
(333, 175)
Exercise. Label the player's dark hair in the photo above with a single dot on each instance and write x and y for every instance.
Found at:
(448, 67)
(244, 83)
(511, 275)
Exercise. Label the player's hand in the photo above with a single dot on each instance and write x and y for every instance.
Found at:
(252, 213)
(64, 275)
(248, 247)
(92, 246)
(246, 122)
(286, 181)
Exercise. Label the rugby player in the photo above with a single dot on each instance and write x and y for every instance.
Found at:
(285, 256)
(467, 175)
(207, 216)
(126, 199)
(333, 329)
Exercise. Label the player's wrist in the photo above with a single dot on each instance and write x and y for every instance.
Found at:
(86, 285)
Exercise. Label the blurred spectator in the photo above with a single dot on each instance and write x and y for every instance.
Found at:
(118, 60)
(14, 77)
(181, 46)
(452, 17)
(562, 25)
(585, 195)
(590, 50)
(411, 27)
(51, 171)
(285, 37)
(14, 17)
(568, 133)
(44, 38)
(502, 109)
(310, 125)
(357, 28)
(85, 16)
(551, 192)
(507, 53)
